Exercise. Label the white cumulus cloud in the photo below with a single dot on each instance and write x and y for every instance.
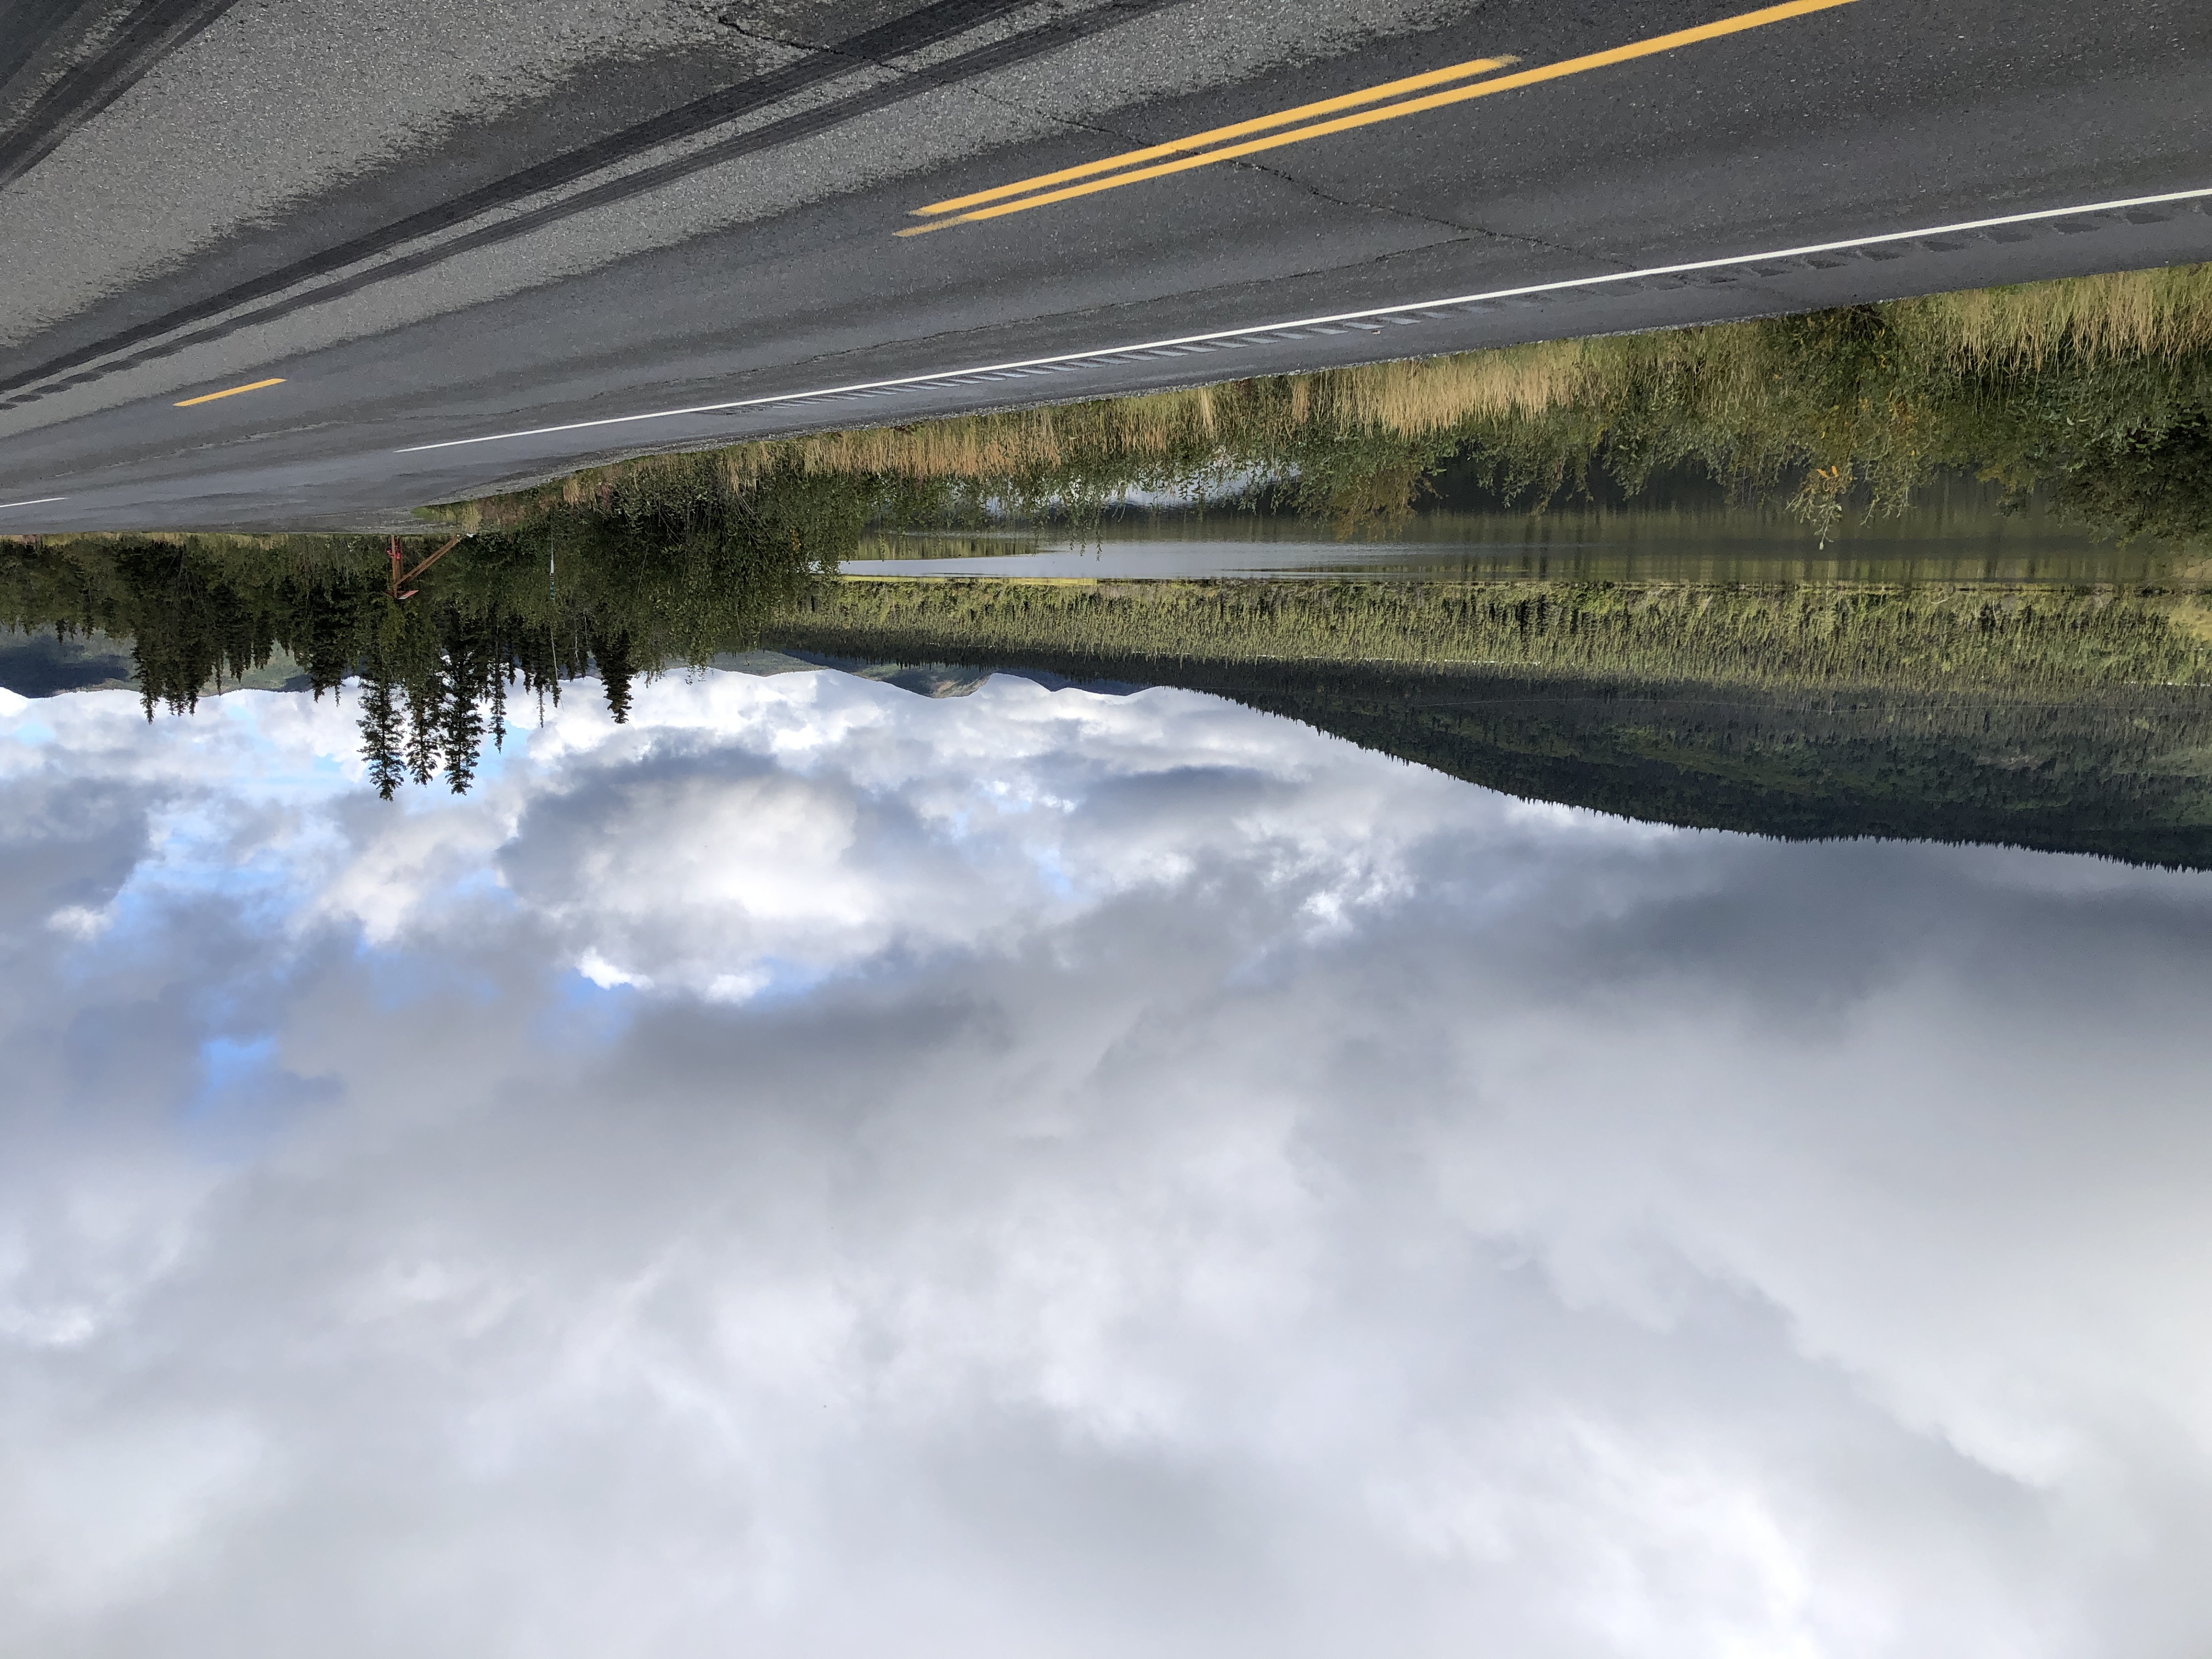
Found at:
(817, 1171)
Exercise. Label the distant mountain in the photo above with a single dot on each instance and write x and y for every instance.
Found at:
(41, 664)
(926, 679)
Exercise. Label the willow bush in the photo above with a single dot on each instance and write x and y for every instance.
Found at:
(2099, 388)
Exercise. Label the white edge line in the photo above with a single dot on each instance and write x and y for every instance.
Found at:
(41, 501)
(1316, 322)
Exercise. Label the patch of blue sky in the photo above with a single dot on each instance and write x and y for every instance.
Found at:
(32, 734)
(582, 1014)
(1053, 872)
(262, 892)
(194, 865)
(778, 982)
(136, 936)
(305, 779)
(245, 1100)
(575, 988)
(259, 901)
(270, 769)
(479, 885)
(227, 1062)
(493, 764)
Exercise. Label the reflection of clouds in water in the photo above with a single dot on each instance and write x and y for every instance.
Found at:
(822, 1171)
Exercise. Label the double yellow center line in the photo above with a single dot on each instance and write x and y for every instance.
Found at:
(1217, 144)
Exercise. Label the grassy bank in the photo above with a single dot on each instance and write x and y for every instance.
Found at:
(2023, 641)
(2099, 388)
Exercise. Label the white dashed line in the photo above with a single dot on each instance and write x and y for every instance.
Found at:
(1352, 318)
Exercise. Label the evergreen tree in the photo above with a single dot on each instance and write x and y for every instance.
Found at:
(611, 652)
(381, 735)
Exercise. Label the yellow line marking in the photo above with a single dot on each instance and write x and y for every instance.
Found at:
(209, 398)
(1750, 20)
(1200, 140)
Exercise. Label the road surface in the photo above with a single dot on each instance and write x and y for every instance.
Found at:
(453, 246)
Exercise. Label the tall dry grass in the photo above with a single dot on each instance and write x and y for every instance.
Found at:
(981, 448)
(2154, 313)
(1439, 394)
(1723, 382)
(2162, 314)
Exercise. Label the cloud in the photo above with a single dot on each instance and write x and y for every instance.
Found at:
(820, 1171)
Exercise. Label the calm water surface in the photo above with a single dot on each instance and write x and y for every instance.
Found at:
(1968, 540)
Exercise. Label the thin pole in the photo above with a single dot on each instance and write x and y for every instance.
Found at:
(552, 607)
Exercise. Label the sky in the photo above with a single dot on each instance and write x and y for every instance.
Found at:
(818, 1171)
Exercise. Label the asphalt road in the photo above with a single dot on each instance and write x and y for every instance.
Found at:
(479, 242)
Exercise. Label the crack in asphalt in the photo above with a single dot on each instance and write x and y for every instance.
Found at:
(1483, 231)
(1136, 141)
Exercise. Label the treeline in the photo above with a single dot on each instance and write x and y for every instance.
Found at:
(2096, 392)
(653, 574)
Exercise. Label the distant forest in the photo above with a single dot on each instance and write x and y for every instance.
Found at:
(644, 580)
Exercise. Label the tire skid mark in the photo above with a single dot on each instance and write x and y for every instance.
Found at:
(917, 31)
